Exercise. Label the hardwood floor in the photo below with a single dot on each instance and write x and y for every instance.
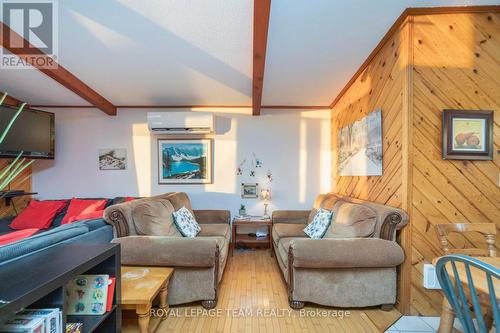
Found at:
(253, 298)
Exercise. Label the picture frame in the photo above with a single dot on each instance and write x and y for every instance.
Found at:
(185, 161)
(249, 190)
(467, 135)
(112, 159)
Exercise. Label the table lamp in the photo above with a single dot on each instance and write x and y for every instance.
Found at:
(266, 196)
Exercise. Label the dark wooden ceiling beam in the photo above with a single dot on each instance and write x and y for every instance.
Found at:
(261, 11)
(12, 101)
(56, 72)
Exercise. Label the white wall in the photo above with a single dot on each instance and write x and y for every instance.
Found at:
(294, 145)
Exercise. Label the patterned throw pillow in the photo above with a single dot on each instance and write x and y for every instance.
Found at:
(317, 228)
(185, 222)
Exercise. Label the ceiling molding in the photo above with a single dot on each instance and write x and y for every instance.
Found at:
(397, 25)
(58, 73)
(261, 12)
(297, 107)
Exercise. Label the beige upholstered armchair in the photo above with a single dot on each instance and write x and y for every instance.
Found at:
(353, 265)
(144, 229)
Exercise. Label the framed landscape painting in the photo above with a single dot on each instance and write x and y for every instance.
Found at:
(468, 134)
(184, 161)
(360, 147)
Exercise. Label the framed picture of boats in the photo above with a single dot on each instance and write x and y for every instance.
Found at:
(184, 161)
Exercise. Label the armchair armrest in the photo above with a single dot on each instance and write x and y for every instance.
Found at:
(120, 217)
(212, 216)
(345, 253)
(168, 251)
(291, 216)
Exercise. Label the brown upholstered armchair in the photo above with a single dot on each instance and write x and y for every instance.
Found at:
(147, 237)
(353, 265)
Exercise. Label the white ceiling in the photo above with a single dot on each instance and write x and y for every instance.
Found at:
(192, 52)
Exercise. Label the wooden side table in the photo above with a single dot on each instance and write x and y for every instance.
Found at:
(140, 286)
(246, 239)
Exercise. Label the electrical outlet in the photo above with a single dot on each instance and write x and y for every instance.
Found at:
(430, 277)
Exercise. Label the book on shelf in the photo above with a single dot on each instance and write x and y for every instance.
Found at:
(87, 295)
(111, 293)
(35, 321)
(74, 328)
(24, 325)
(51, 317)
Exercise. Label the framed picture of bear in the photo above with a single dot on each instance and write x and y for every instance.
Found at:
(467, 135)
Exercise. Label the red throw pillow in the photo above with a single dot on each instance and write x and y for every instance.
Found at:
(14, 236)
(127, 199)
(89, 216)
(38, 214)
(82, 206)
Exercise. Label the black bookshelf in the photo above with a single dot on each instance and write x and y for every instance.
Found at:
(38, 281)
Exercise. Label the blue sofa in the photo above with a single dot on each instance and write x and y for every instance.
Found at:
(87, 231)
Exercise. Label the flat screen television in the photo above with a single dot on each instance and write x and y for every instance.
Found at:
(33, 133)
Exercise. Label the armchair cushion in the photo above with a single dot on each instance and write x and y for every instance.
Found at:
(179, 200)
(345, 253)
(284, 230)
(351, 220)
(214, 230)
(317, 228)
(168, 251)
(291, 216)
(212, 216)
(154, 218)
(186, 223)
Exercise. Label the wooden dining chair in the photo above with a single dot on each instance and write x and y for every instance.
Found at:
(488, 230)
(461, 292)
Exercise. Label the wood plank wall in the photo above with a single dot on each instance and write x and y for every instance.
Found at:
(21, 182)
(380, 86)
(430, 63)
(457, 66)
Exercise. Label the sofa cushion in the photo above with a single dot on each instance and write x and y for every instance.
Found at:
(282, 230)
(154, 218)
(215, 230)
(38, 214)
(83, 206)
(186, 223)
(352, 220)
(317, 228)
(179, 200)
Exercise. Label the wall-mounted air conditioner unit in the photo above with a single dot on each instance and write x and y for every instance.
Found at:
(179, 123)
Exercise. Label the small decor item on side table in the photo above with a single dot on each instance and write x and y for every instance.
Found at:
(467, 135)
(265, 194)
(242, 210)
(249, 190)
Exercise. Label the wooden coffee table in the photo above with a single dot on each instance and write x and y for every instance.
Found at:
(246, 239)
(140, 286)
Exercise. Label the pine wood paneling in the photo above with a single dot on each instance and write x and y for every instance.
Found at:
(456, 65)
(380, 86)
(432, 62)
(21, 182)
